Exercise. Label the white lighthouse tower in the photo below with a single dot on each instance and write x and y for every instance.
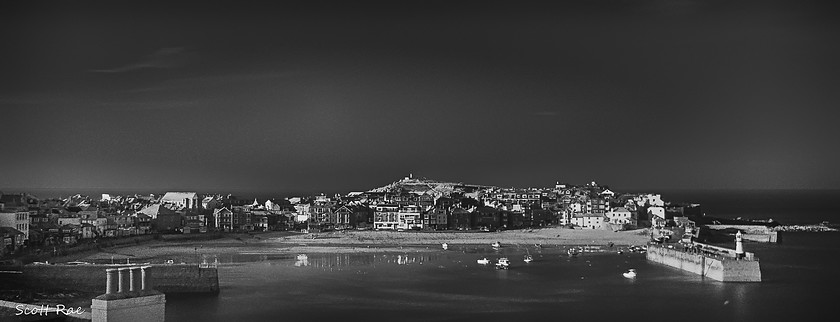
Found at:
(739, 246)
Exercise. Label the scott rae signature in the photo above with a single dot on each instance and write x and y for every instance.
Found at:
(47, 309)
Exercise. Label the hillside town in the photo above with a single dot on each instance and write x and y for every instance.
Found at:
(408, 204)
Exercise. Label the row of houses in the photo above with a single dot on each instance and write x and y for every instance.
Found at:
(27, 220)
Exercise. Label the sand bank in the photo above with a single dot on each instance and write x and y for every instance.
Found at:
(274, 243)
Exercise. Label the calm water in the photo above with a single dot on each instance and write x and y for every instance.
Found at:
(785, 206)
(451, 286)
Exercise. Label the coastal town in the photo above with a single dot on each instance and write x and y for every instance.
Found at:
(410, 204)
(31, 225)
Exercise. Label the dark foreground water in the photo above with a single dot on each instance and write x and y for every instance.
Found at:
(800, 276)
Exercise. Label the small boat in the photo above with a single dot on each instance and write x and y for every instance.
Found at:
(528, 259)
(496, 245)
(631, 273)
(483, 261)
(170, 262)
(573, 252)
(503, 263)
(444, 246)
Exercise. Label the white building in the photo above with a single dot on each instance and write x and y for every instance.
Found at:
(656, 211)
(620, 215)
(410, 217)
(386, 217)
(18, 220)
(186, 200)
(649, 199)
(589, 221)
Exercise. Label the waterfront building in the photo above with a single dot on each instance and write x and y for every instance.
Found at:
(621, 216)
(362, 216)
(386, 216)
(223, 218)
(409, 217)
(460, 219)
(589, 220)
(340, 217)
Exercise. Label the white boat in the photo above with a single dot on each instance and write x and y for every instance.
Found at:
(631, 273)
(573, 252)
(528, 259)
(483, 261)
(444, 246)
(496, 245)
(503, 263)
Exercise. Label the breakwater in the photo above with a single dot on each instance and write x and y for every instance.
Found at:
(756, 233)
(170, 278)
(717, 263)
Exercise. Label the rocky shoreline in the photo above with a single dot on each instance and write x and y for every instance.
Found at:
(804, 228)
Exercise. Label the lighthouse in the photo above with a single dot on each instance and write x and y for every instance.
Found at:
(739, 246)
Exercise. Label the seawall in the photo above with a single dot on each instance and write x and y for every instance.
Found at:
(176, 278)
(717, 267)
(756, 233)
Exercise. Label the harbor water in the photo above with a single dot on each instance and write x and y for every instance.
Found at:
(438, 285)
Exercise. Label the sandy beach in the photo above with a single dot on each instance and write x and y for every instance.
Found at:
(353, 241)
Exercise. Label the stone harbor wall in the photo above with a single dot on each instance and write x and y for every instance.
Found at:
(718, 268)
(756, 233)
(177, 278)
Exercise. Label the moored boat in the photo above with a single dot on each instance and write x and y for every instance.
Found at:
(503, 263)
(445, 246)
(496, 245)
(483, 261)
(631, 273)
(528, 259)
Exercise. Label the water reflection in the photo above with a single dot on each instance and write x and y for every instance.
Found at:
(302, 260)
(346, 260)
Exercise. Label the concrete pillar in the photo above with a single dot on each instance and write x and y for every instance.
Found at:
(122, 273)
(111, 281)
(146, 278)
(134, 279)
(739, 246)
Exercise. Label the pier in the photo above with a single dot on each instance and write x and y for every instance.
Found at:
(718, 263)
(169, 278)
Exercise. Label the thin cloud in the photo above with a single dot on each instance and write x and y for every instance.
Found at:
(211, 80)
(151, 105)
(163, 58)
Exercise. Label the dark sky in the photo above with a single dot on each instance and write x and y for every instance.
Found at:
(324, 96)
